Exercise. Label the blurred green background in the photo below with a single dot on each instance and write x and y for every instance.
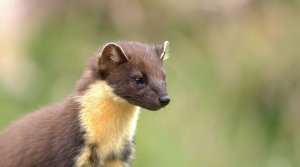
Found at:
(233, 73)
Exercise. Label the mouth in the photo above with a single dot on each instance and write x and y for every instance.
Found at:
(156, 106)
(151, 107)
(150, 104)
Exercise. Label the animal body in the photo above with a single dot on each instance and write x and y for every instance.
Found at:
(95, 126)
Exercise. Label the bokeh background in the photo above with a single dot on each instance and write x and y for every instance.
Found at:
(233, 72)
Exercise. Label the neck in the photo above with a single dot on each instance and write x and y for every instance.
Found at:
(107, 119)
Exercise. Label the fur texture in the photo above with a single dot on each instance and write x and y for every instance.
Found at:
(109, 122)
(95, 126)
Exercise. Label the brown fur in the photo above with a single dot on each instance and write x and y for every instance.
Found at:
(49, 137)
(95, 126)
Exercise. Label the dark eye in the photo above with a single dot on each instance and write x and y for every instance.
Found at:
(139, 80)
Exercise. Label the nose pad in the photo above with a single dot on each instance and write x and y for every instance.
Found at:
(164, 100)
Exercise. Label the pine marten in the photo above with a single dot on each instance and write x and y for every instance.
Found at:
(95, 126)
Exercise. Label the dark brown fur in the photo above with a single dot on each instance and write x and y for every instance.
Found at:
(144, 61)
(53, 136)
(50, 137)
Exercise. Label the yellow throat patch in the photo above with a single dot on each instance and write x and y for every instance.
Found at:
(109, 122)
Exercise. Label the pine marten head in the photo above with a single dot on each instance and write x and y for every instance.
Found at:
(134, 71)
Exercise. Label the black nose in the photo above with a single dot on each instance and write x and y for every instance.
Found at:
(164, 100)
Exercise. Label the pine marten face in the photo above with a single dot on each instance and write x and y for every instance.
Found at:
(135, 72)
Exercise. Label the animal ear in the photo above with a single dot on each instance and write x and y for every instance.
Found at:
(164, 51)
(112, 53)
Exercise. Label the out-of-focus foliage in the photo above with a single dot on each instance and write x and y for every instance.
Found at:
(233, 75)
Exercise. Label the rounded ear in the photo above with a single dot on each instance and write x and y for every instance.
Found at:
(164, 50)
(110, 56)
(112, 53)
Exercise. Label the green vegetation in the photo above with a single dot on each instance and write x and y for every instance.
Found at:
(233, 78)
